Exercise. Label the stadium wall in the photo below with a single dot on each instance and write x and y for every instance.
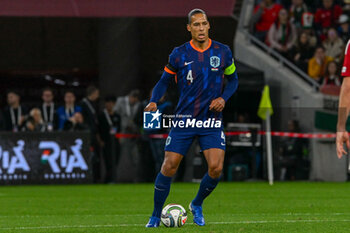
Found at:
(118, 55)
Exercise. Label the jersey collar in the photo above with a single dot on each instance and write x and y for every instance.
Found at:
(200, 50)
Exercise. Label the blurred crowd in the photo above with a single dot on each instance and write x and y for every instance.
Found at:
(103, 119)
(310, 33)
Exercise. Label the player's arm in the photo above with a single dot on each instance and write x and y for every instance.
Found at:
(344, 107)
(160, 88)
(343, 112)
(218, 104)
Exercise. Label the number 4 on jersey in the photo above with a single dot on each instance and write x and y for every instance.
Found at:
(189, 76)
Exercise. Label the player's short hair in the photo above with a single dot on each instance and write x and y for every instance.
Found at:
(90, 90)
(193, 12)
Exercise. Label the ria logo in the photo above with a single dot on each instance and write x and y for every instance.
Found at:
(13, 162)
(60, 159)
(151, 120)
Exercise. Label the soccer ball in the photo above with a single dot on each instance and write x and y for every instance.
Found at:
(173, 215)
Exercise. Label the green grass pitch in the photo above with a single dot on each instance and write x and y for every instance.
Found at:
(232, 207)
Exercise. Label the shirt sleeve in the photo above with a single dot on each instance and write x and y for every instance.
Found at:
(230, 66)
(172, 66)
(346, 66)
(170, 71)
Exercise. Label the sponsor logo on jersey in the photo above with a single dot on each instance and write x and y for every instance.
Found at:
(187, 63)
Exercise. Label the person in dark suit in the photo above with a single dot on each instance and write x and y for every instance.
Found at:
(2, 120)
(109, 125)
(48, 110)
(89, 112)
(14, 113)
(67, 111)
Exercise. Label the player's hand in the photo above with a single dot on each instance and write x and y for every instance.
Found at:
(151, 107)
(217, 105)
(342, 137)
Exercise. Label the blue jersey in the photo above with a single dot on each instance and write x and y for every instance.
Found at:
(199, 75)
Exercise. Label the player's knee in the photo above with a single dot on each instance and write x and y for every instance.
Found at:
(215, 171)
(169, 168)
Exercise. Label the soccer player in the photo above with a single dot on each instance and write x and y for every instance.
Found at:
(344, 106)
(198, 67)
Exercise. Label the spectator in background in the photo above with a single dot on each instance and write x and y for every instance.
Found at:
(129, 163)
(318, 63)
(110, 124)
(332, 75)
(346, 7)
(89, 112)
(67, 111)
(303, 51)
(296, 11)
(327, 17)
(307, 23)
(291, 153)
(48, 110)
(75, 123)
(127, 107)
(344, 28)
(313, 4)
(282, 34)
(2, 120)
(34, 122)
(15, 113)
(334, 46)
(265, 14)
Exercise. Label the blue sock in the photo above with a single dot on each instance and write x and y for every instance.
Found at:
(207, 185)
(161, 192)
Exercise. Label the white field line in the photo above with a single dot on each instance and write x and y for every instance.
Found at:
(139, 225)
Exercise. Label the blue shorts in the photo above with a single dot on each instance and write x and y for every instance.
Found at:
(180, 140)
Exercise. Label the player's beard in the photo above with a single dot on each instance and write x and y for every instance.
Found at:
(201, 41)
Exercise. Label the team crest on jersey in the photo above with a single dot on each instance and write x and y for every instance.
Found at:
(215, 63)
